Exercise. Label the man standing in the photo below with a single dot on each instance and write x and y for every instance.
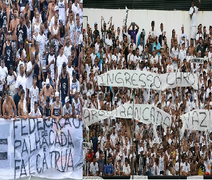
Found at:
(21, 32)
(9, 107)
(96, 31)
(63, 83)
(134, 31)
(182, 36)
(8, 52)
(193, 13)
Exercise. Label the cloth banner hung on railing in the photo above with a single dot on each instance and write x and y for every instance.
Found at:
(41, 148)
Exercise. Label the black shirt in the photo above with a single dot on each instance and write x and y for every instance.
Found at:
(96, 33)
(47, 111)
(8, 55)
(64, 86)
(21, 33)
(16, 99)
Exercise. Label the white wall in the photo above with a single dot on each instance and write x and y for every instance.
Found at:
(170, 19)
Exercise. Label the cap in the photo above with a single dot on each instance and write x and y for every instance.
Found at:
(183, 42)
(57, 94)
(74, 73)
(64, 65)
(114, 126)
(47, 99)
(61, 21)
(47, 81)
(95, 23)
(182, 25)
(56, 8)
(146, 60)
(67, 99)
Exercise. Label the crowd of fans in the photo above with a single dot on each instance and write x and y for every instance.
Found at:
(40, 50)
(109, 149)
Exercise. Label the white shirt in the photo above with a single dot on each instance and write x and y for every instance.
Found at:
(67, 51)
(126, 169)
(141, 49)
(30, 77)
(42, 43)
(186, 168)
(169, 68)
(52, 66)
(11, 83)
(3, 72)
(21, 81)
(113, 138)
(33, 113)
(34, 95)
(97, 47)
(194, 17)
(152, 33)
(109, 42)
(182, 55)
(60, 61)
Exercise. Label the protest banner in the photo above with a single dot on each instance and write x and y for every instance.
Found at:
(198, 119)
(45, 149)
(92, 116)
(197, 60)
(141, 79)
(144, 113)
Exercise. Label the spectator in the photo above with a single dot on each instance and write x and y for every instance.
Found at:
(56, 108)
(94, 169)
(47, 109)
(67, 109)
(193, 13)
(35, 112)
(9, 107)
(126, 168)
(109, 170)
(134, 31)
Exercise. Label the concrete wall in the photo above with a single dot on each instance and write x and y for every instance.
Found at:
(171, 19)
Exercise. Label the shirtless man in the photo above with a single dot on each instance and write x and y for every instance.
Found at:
(9, 107)
(13, 29)
(193, 165)
(50, 11)
(46, 91)
(22, 111)
(27, 10)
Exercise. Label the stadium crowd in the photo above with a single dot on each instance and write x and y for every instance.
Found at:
(109, 149)
(40, 49)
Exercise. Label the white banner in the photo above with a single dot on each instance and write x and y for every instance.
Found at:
(198, 119)
(38, 148)
(197, 60)
(141, 79)
(144, 113)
